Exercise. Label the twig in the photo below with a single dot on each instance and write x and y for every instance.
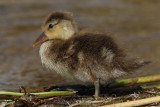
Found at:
(135, 103)
(45, 100)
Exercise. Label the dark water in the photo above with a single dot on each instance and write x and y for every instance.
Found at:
(135, 25)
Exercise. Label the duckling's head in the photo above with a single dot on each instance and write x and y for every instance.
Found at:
(58, 25)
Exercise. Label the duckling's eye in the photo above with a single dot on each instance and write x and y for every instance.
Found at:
(51, 25)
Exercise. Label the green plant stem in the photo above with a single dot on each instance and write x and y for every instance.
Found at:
(146, 87)
(134, 81)
(39, 95)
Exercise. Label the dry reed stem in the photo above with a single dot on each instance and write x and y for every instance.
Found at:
(135, 103)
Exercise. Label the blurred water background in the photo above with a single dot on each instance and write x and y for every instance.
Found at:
(134, 24)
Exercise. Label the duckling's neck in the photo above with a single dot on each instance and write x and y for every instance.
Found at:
(46, 46)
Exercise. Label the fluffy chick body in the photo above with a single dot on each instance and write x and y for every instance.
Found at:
(86, 57)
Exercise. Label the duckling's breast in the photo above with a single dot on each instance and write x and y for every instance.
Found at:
(49, 60)
(44, 54)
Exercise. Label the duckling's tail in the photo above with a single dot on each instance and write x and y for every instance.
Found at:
(136, 64)
(142, 63)
(130, 64)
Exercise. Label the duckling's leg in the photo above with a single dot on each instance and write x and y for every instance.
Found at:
(97, 87)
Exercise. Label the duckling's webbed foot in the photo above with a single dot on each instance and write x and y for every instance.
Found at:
(97, 87)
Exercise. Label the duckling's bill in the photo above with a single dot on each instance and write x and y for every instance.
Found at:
(42, 38)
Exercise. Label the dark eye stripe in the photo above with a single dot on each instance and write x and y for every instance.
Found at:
(52, 25)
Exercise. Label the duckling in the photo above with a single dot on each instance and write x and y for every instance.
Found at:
(85, 58)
